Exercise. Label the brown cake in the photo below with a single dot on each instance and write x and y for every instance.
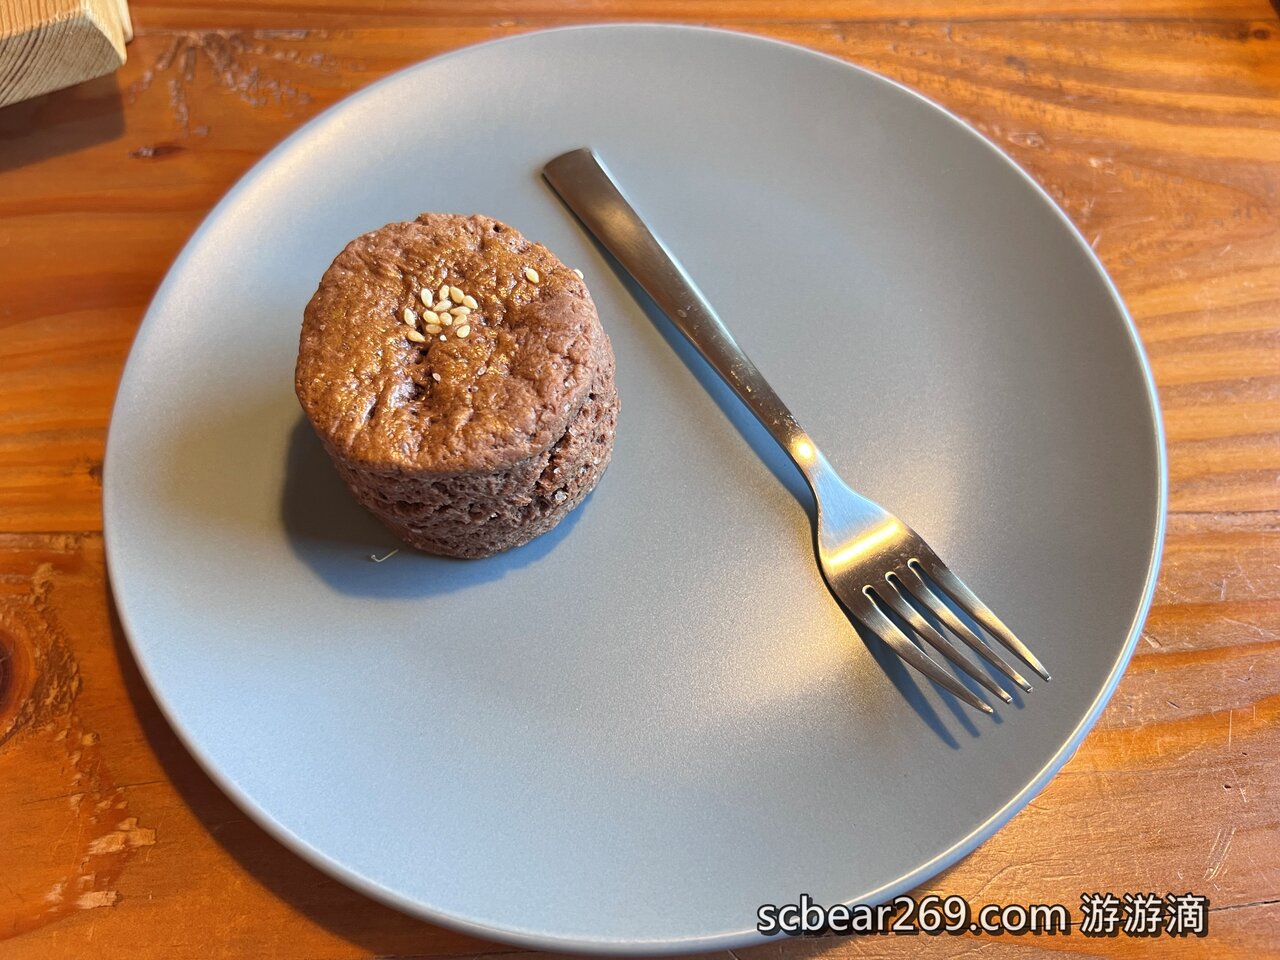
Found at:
(469, 429)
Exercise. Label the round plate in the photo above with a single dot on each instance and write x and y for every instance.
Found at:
(630, 733)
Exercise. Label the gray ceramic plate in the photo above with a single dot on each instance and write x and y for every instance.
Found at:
(630, 733)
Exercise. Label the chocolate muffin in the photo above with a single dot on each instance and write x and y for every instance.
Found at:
(460, 379)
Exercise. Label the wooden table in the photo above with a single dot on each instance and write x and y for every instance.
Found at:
(1155, 123)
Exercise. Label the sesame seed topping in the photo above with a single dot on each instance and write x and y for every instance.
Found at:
(415, 336)
(482, 371)
(443, 306)
(432, 328)
(442, 292)
(443, 338)
(577, 273)
(460, 311)
(531, 275)
(463, 331)
(410, 317)
(435, 377)
(455, 294)
(425, 295)
(470, 301)
(445, 319)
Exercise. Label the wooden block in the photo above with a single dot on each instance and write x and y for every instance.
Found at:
(49, 44)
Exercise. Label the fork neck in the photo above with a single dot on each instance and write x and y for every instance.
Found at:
(769, 409)
(701, 325)
(841, 507)
(754, 390)
(821, 477)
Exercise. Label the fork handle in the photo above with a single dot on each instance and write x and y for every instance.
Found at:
(584, 184)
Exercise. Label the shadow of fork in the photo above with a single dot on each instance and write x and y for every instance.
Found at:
(767, 450)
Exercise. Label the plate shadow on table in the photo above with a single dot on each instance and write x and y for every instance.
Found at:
(374, 928)
(335, 536)
(910, 684)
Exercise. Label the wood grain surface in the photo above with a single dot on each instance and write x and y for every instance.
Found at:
(1155, 123)
(50, 44)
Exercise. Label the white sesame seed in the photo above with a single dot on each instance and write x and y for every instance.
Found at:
(470, 301)
(435, 377)
(426, 296)
(460, 311)
(455, 294)
(464, 330)
(577, 273)
(482, 371)
(443, 306)
(445, 319)
(410, 317)
(432, 328)
(443, 338)
(415, 336)
(442, 292)
(531, 275)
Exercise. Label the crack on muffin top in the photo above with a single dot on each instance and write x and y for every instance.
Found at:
(503, 391)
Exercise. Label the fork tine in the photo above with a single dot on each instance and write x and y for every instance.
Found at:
(896, 599)
(886, 630)
(982, 613)
(920, 588)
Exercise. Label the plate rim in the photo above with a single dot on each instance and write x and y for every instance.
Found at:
(749, 936)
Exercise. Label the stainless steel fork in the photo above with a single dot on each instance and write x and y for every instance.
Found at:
(876, 565)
